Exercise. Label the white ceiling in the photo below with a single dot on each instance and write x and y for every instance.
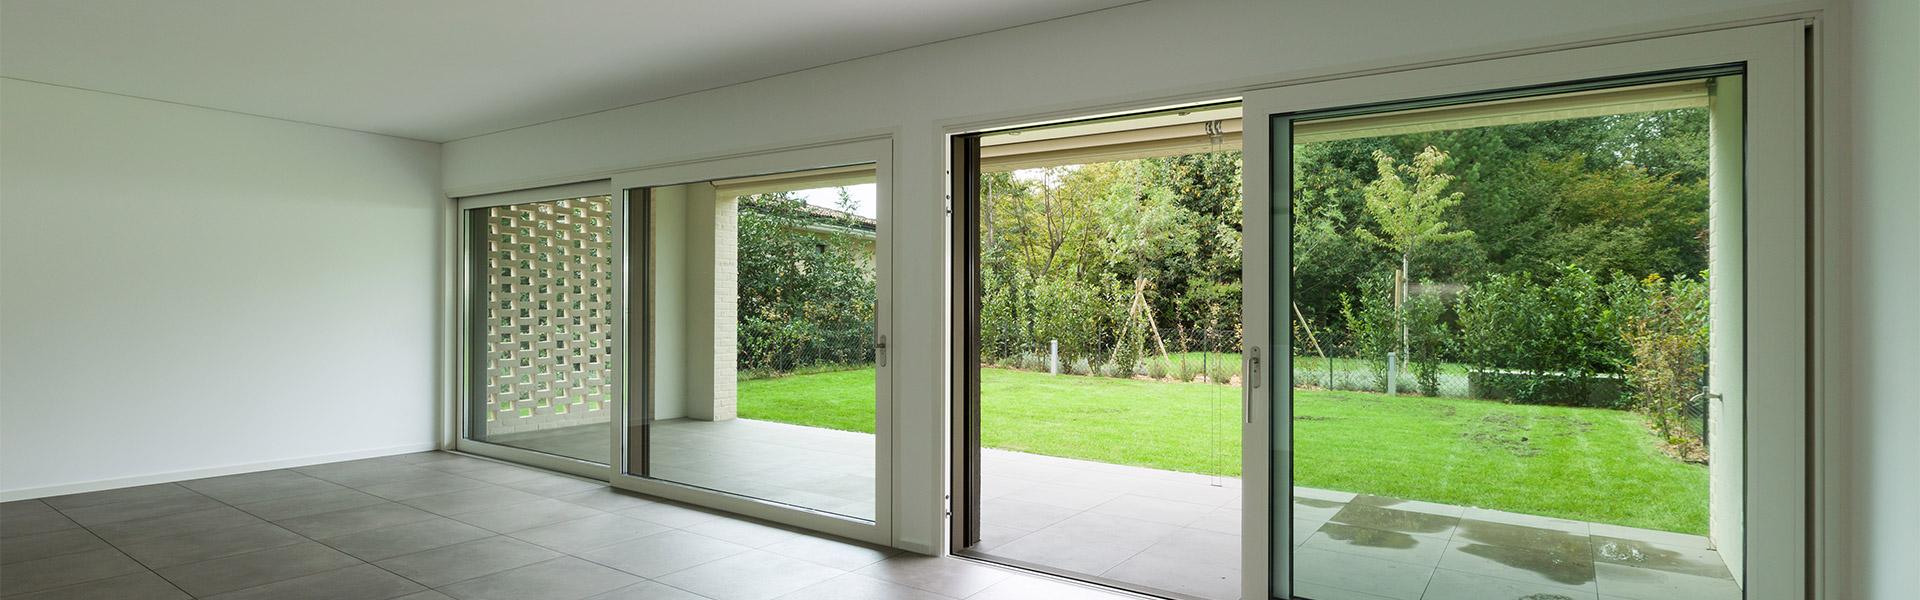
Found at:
(440, 70)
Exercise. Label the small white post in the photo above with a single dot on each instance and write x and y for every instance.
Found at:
(1393, 374)
(1053, 357)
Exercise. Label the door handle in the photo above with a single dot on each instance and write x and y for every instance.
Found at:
(1252, 382)
(880, 351)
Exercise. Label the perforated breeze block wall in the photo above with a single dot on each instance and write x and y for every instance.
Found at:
(549, 309)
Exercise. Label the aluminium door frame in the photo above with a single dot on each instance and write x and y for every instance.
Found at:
(1777, 312)
(465, 278)
(877, 151)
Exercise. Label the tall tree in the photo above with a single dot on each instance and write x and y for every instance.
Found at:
(1410, 216)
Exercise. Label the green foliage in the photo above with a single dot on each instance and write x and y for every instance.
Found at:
(1373, 326)
(806, 297)
(1667, 338)
(1410, 216)
(1429, 338)
(1541, 343)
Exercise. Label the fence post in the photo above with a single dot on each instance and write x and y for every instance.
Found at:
(1393, 374)
(1053, 357)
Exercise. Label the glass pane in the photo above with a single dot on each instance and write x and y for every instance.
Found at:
(761, 308)
(542, 326)
(1502, 326)
(1109, 387)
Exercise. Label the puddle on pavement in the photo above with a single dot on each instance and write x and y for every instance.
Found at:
(1544, 597)
(1371, 538)
(1647, 555)
(1561, 568)
(1387, 519)
(1521, 536)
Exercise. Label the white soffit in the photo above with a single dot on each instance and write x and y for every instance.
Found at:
(441, 70)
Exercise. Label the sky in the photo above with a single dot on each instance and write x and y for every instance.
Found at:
(863, 198)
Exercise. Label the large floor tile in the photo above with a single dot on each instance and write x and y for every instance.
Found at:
(1026, 587)
(1021, 514)
(185, 549)
(580, 535)
(526, 515)
(1157, 510)
(34, 522)
(233, 573)
(657, 555)
(460, 562)
(1684, 560)
(312, 504)
(860, 587)
(354, 520)
(425, 486)
(466, 501)
(142, 508)
(649, 590)
(751, 575)
(49, 544)
(1389, 519)
(400, 540)
(846, 556)
(116, 496)
(360, 582)
(1119, 532)
(201, 521)
(945, 576)
(260, 487)
(143, 585)
(743, 532)
(565, 578)
(64, 570)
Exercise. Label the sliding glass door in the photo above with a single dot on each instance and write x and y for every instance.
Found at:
(756, 346)
(1529, 323)
(539, 297)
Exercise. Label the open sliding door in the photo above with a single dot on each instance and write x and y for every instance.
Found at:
(1536, 310)
(755, 337)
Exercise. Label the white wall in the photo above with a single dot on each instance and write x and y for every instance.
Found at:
(1127, 56)
(1884, 312)
(190, 292)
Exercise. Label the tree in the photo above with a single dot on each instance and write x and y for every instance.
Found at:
(1410, 216)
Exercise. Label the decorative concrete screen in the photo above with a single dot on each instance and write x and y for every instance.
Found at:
(549, 313)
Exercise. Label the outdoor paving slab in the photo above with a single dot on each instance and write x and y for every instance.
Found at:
(1389, 545)
(1068, 553)
(1660, 557)
(1388, 519)
(1206, 579)
(1649, 584)
(1455, 585)
(1380, 577)
(1567, 570)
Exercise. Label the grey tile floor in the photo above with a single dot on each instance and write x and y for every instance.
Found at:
(439, 525)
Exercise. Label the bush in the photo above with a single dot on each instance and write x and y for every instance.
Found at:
(1552, 338)
(1373, 329)
(1668, 340)
(1079, 366)
(1429, 339)
(1156, 367)
(1222, 371)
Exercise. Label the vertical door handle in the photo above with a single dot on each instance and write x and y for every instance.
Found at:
(880, 351)
(1252, 382)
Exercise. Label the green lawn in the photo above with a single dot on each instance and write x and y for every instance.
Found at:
(1576, 463)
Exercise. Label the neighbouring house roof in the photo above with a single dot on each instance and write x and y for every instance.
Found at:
(831, 221)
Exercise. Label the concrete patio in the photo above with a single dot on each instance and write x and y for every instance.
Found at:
(1179, 533)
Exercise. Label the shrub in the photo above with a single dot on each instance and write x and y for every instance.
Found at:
(1429, 339)
(1552, 338)
(1373, 329)
(1668, 341)
(1034, 362)
(1079, 366)
(1221, 370)
(1113, 369)
(1156, 367)
(1184, 370)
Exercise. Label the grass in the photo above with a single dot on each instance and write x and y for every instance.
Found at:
(1575, 463)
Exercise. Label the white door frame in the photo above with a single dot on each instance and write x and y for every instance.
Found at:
(463, 368)
(1777, 237)
(877, 151)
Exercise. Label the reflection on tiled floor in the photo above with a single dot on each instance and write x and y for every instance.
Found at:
(1359, 547)
(811, 467)
(584, 442)
(435, 525)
